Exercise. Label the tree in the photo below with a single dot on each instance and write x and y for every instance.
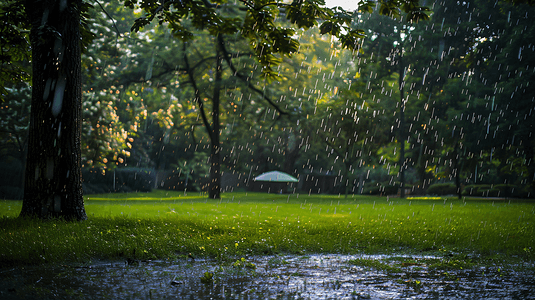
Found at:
(14, 46)
(53, 185)
(106, 138)
(269, 41)
(382, 77)
(436, 62)
(503, 71)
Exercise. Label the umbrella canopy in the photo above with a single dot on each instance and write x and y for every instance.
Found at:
(276, 176)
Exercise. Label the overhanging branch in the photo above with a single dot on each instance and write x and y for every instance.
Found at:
(242, 77)
(197, 92)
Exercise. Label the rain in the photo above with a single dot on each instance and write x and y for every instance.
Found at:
(435, 108)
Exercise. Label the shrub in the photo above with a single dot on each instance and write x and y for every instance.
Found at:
(442, 189)
(389, 189)
(498, 190)
(471, 190)
(508, 190)
(126, 180)
(520, 192)
(383, 188)
(483, 188)
(371, 189)
(134, 179)
(493, 193)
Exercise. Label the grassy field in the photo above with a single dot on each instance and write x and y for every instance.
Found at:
(170, 225)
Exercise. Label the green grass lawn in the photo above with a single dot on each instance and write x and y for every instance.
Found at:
(170, 225)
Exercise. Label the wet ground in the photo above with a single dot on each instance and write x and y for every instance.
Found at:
(273, 277)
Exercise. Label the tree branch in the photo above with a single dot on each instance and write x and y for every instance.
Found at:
(114, 25)
(197, 92)
(242, 77)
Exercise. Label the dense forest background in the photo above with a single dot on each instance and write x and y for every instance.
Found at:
(443, 106)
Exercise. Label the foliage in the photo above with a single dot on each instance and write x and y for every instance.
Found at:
(498, 190)
(381, 188)
(107, 134)
(269, 41)
(119, 180)
(14, 121)
(15, 46)
(466, 77)
(442, 189)
(411, 10)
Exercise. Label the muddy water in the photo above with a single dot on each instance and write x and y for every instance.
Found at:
(270, 277)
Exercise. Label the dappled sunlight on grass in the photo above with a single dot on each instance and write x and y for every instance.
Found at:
(425, 198)
(251, 223)
(155, 195)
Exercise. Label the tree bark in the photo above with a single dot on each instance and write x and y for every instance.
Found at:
(53, 179)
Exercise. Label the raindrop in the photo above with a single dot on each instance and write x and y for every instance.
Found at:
(47, 88)
(58, 96)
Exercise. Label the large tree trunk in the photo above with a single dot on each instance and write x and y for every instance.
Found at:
(53, 180)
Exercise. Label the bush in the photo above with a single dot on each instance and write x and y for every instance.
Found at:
(520, 192)
(442, 189)
(498, 190)
(389, 189)
(134, 179)
(508, 190)
(372, 189)
(382, 188)
(126, 180)
(482, 189)
(472, 190)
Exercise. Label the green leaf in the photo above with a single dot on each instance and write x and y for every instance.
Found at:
(304, 13)
(282, 41)
(418, 14)
(330, 27)
(180, 32)
(366, 6)
(351, 40)
(139, 23)
(389, 9)
(130, 3)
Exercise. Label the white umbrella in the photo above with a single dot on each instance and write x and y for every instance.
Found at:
(276, 176)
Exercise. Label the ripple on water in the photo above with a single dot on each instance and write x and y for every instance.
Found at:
(275, 277)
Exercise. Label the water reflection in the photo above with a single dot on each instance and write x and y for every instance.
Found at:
(271, 277)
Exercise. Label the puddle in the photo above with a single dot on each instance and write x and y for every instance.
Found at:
(271, 277)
